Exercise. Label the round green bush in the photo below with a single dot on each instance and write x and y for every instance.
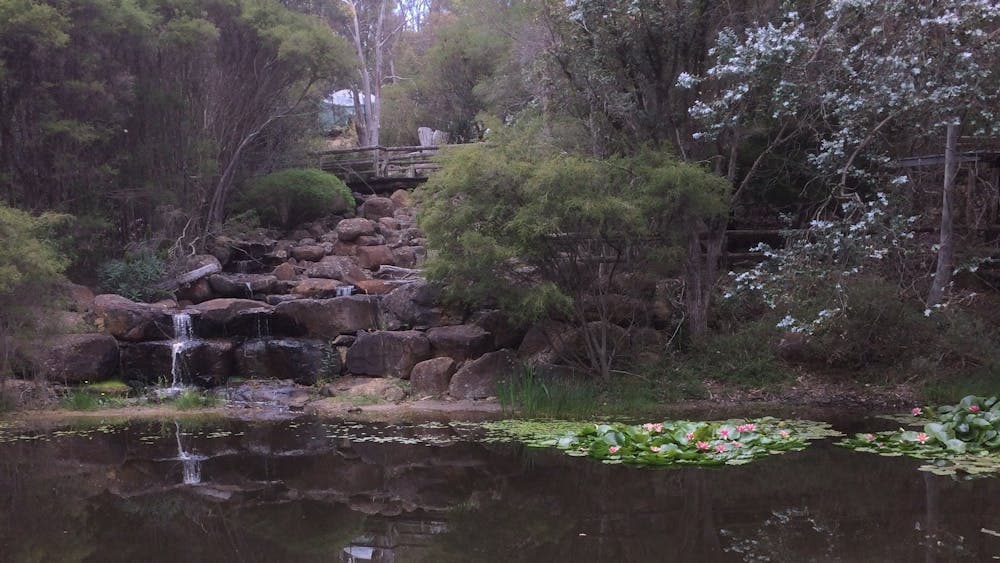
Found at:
(293, 196)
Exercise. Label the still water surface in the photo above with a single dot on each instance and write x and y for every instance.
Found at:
(308, 490)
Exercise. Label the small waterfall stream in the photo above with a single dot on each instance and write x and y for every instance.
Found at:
(183, 335)
(344, 291)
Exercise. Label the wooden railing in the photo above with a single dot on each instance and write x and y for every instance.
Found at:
(366, 164)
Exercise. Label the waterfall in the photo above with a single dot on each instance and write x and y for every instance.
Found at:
(249, 290)
(183, 333)
(344, 291)
(190, 463)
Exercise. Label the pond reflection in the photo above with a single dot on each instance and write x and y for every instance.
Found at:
(305, 490)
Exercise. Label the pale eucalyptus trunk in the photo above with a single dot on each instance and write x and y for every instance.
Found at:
(946, 245)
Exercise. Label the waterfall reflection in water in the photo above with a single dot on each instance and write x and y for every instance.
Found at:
(307, 490)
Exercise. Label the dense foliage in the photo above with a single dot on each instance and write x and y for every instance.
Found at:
(293, 196)
(31, 265)
(545, 232)
(124, 111)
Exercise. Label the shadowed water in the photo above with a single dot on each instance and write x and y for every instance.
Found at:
(306, 490)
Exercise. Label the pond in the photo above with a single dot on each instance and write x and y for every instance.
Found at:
(314, 490)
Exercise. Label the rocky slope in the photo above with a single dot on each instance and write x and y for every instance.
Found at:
(338, 296)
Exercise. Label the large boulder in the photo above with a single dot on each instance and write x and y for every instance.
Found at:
(409, 256)
(460, 342)
(506, 334)
(318, 288)
(195, 292)
(349, 230)
(212, 317)
(341, 268)
(377, 207)
(75, 358)
(306, 361)
(414, 304)
(284, 272)
(478, 379)
(208, 362)
(203, 362)
(431, 377)
(242, 285)
(260, 322)
(387, 353)
(329, 318)
(147, 362)
(371, 257)
(127, 320)
(309, 252)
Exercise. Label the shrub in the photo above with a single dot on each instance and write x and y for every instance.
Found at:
(134, 276)
(293, 196)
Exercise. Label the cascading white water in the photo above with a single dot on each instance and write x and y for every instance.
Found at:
(344, 291)
(249, 290)
(183, 333)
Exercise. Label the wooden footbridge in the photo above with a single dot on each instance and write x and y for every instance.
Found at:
(380, 169)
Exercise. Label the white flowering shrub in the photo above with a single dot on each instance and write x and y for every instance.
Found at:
(812, 270)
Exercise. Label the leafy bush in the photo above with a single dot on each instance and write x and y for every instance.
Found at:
(293, 196)
(875, 327)
(134, 277)
(547, 233)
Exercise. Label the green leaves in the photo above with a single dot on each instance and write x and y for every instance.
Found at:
(963, 437)
(733, 442)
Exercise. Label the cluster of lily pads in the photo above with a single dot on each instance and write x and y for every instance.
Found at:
(730, 442)
(963, 437)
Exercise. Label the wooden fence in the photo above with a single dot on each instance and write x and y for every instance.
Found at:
(367, 165)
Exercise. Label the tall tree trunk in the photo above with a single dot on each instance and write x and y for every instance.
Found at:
(946, 247)
(366, 80)
(701, 269)
(375, 124)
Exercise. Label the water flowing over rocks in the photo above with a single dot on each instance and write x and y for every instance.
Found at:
(339, 297)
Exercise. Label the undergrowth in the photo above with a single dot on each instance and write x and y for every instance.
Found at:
(529, 395)
(194, 399)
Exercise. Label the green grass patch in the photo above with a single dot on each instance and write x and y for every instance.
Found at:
(528, 395)
(944, 391)
(82, 399)
(194, 399)
(113, 387)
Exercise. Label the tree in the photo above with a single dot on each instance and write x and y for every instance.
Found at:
(546, 231)
(862, 76)
(30, 266)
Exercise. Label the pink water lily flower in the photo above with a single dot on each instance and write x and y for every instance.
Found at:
(870, 437)
(654, 448)
(746, 428)
(702, 445)
(613, 449)
(917, 411)
(737, 444)
(724, 432)
(922, 438)
(658, 427)
(973, 408)
(784, 433)
(720, 448)
(689, 436)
